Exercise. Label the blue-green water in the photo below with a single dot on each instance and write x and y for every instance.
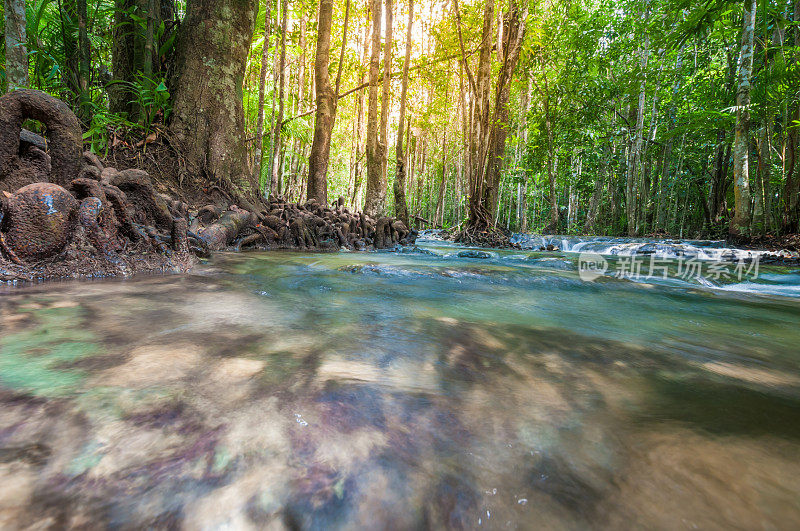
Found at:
(401, 390)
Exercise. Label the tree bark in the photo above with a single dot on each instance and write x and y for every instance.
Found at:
(275, 165)
(360, 140)
(373, 205)
(740, 224)
(400, 205)
(16, 44)
(326, 104)
(635, 154)
(438, 216)
(208, 111)
(479, 216)
(513, 35)
(386, 104)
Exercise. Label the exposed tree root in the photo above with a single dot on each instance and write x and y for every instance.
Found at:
(484, 237)
(98, 221)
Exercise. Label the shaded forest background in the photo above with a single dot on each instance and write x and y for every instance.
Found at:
(636, 117)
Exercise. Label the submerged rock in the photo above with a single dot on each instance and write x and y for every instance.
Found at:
(483, 255)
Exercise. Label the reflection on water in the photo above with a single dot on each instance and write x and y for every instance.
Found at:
(398, 390)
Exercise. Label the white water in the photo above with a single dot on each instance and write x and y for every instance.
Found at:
(676, 254)
(713, 250)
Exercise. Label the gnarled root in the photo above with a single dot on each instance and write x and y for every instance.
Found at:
(180, 238)
(222, 233)
(63, 134)
(149, 206)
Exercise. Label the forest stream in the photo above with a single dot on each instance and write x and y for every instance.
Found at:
(433, 386)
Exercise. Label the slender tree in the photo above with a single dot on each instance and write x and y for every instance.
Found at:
(262, 83)
(373, 205)
(400, 205)
(326, 103)
(791, 189)
(16, 44)
(635, 152)
(276, 163)
(740, 224)
(509, 50)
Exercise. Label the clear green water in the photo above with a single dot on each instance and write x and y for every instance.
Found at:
(375, 390)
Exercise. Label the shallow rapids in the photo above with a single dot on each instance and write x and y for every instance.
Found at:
(434, 387)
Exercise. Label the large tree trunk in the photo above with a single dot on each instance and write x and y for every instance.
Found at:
(16, 44)
(373, 204)
(740, 224)
(262, 92)
(400, 205)
(513, 35)
(208, 113)
(478, 215)
(326, 107)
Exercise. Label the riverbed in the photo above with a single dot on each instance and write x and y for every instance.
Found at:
(433, 386)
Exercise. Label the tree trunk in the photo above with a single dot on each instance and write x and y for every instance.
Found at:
(400, 205)
(479, 216)
(326, 109)
(439, 213)
(373, 205)
(552, 226)
(78, 59)
(791, 189)
(208, 112)
(360, 141)
(597, 195)
(275, 165)
(513, 35)
(262, 90)
(123, 64)
(740, 224)
(16, 44)
(719, 182)
(634, 157)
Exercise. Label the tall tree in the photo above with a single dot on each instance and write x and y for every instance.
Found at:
(373, 204)
(326, 108)
(275, 164)
(262, 83)
(508, 50)
(479, 216)
(635, 152)
(386, 103)
(16, 44)
(740, 224)
(791, 190)
(400, 205)
(208, 111)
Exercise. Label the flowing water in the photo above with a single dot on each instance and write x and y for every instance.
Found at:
(402, 390)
